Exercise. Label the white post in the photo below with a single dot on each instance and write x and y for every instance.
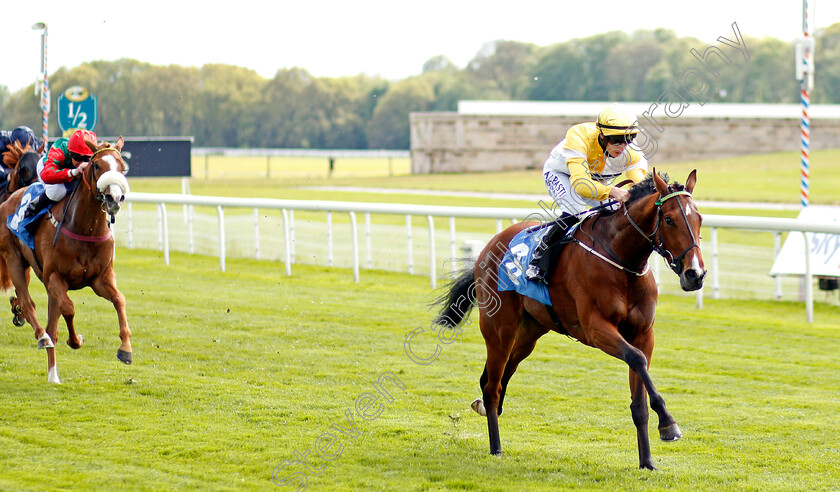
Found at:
(715, 274)
(354, 233)
(256, 234)
(329, 240)
(777, 247)
(809, 281)
(409, 247)
(368, 251)
(432, 256)
(699, 293)
(221, 213)
(130, 225)
(453, 248)
(164, 228)
(291, 232)
(160, 225)
(287, 241)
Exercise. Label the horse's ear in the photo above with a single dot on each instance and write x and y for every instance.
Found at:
(120, 143)
(691, 181)
(661, 185)
(91, 145)
(41, 148)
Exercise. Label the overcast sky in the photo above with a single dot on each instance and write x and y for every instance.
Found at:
(337, 38)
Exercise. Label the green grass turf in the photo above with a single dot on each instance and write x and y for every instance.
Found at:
(236, 373)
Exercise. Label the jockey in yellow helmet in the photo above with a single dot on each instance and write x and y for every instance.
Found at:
(580, 171)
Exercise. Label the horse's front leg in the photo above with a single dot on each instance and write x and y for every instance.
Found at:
(105, 286)
(605, 336)
(639, 411)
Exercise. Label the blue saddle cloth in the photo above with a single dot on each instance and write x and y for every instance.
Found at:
(516, 260)
(18, 224)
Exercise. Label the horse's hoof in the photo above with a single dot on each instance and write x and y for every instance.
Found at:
(18, 320)
(124, 356)
(497, 452)
(478, 406)
(647, 466)
(670, 433)
(45, 342)
(76, 346)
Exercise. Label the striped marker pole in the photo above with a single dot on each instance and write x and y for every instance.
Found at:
(805, 147)
(805, 98)
(45, 94)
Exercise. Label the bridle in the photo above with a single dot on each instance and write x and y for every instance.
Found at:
(655, 238)
(98, 195)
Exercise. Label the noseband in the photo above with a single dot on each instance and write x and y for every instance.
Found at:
(655, 238)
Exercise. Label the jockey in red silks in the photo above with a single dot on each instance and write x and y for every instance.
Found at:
(64, 163)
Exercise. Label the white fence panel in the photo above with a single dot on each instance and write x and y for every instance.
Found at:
(271, 232)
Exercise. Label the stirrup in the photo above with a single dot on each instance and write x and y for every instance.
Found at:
(534, 273)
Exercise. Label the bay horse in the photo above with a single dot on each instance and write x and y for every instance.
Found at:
(23, 165)
(602, 294)
(74, 248)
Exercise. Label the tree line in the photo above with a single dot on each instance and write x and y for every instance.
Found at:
(229, 106)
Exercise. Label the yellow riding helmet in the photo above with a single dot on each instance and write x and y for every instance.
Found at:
(615, 120)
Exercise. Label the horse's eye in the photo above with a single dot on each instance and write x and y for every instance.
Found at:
(669, 221)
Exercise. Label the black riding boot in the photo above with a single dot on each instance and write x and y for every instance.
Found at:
(39, 203)
(538, 268)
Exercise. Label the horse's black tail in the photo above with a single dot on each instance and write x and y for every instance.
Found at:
(458, 301)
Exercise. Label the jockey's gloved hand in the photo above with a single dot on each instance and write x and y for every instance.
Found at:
(81, 168)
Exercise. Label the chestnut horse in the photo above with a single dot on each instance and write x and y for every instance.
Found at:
(602, 294)
(23, 163)
(74, 248)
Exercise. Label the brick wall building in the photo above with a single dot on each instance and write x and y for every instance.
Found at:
(511, 135)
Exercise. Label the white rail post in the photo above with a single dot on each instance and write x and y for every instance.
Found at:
(809, 281)
(368, 250)
(221, 213)
(291, 232)
(354, 233)
(160, 225)
(329, 240)
(699, 295)
(130, 224)
(715, 275)
(256, 233)
(453, 248)
(287, 241)
(777, 247)
(164, 229)
(409, 247)
(432, 256)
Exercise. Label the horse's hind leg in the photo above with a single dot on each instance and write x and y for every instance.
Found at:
(529, 332)
(17, 313)
(60, 304)
(500, 336)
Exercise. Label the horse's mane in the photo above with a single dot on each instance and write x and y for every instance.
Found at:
(646, 187)
(643, 188)
(12, 156)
